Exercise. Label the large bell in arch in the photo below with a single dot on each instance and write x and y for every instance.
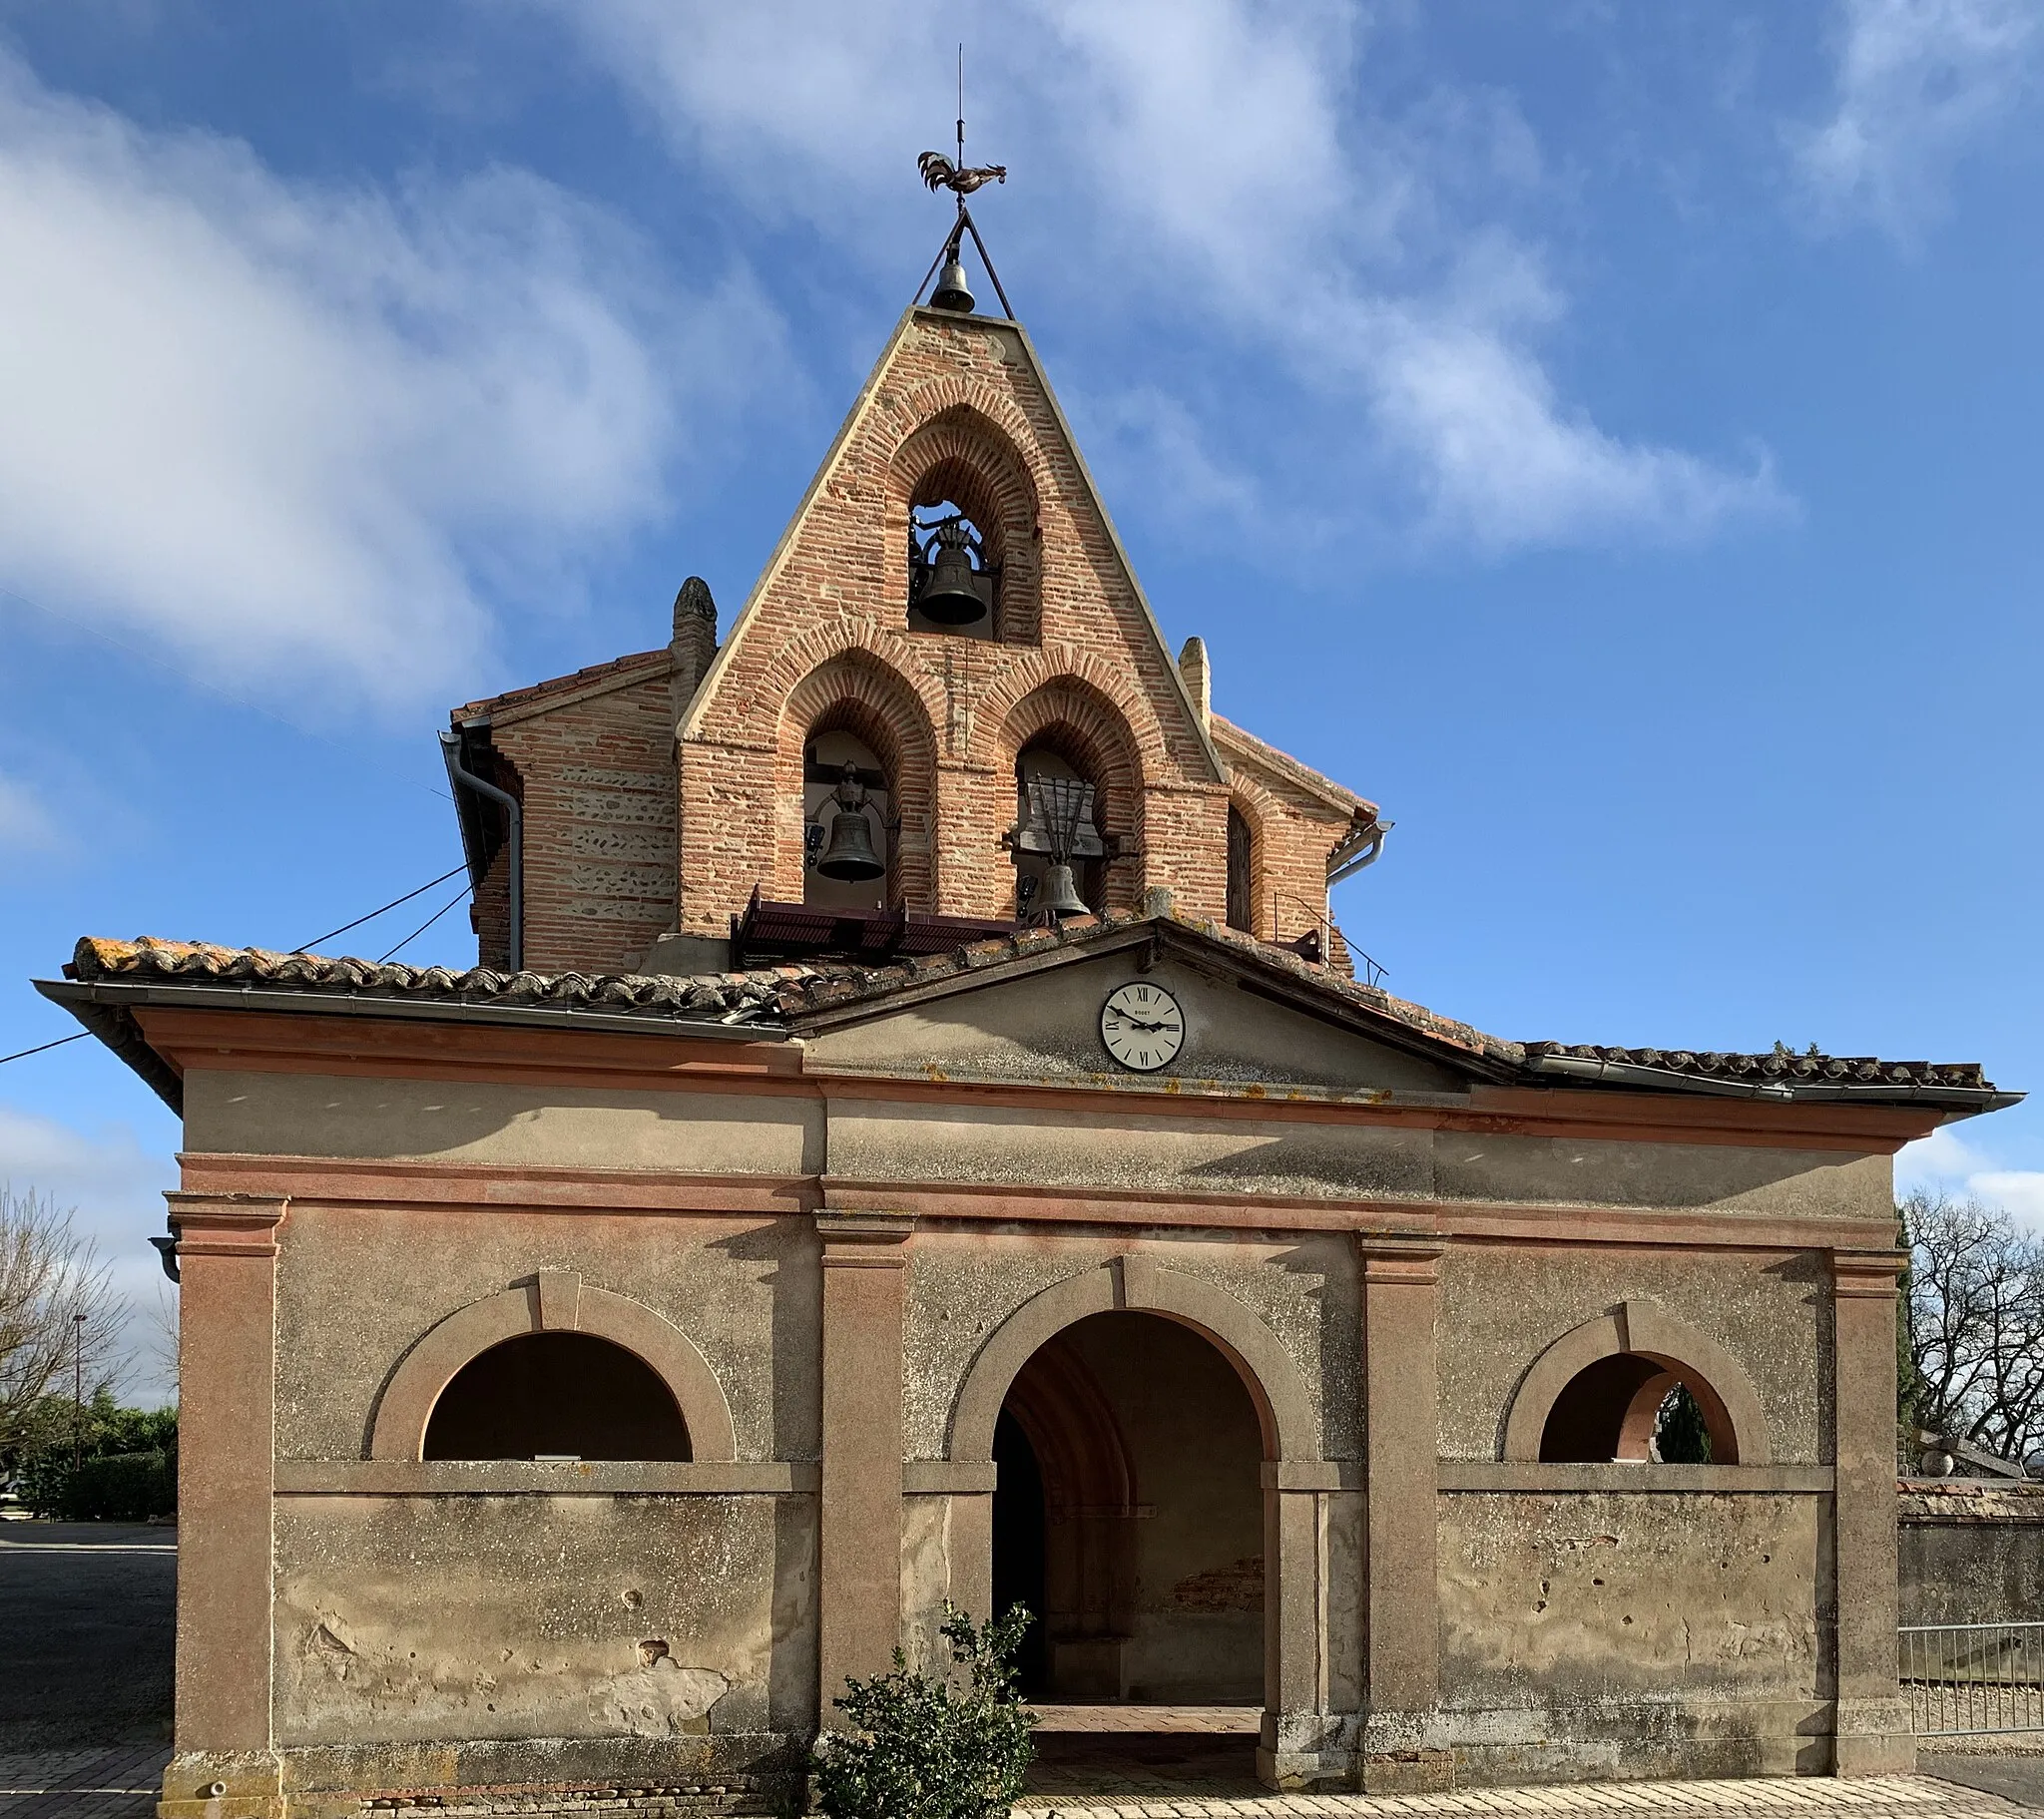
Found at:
(950, 594)
(849, 856)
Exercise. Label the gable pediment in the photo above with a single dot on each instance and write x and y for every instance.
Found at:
(1039, 1020)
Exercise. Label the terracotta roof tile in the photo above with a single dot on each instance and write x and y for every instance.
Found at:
(559, 685)
(781, 997)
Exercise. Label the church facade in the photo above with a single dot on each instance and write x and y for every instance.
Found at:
(914, 1136)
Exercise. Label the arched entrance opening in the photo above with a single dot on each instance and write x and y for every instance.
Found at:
(1129, 1515)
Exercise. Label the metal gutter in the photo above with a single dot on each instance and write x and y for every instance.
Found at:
(1668, 1080)
(460, 777)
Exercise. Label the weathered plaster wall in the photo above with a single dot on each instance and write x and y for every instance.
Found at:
(1972, 1552)
(1633, 1632)
(406, 1619)
(1502, 1305)
(359, 1286)
(696, 1133)
(1796, 1183)
(963, 1284)
(1049, 1026)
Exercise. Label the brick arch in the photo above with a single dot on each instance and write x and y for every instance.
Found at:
(856, 690)
(1260, 810)
(1090, 731)
(963, 453)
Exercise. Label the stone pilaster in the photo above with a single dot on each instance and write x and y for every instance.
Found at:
(860, 1569)
(225, 1766)
(1873, 1731)
(1401, 1667)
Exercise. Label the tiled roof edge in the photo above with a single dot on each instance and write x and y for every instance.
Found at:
(720, 997)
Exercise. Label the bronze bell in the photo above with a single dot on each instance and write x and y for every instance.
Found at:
(1060, 896)
(849, 856)
(950, 593)
(952, 293)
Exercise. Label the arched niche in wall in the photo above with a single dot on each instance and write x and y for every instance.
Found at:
(1241, 869)
(1592, 1395)
(855, 706)
(1066, 729)
(551, 1301)
(961, 464)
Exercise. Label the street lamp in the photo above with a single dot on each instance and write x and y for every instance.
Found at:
(77, 1391)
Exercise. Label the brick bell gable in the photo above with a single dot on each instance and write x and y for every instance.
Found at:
(958, 408)
(660, 790)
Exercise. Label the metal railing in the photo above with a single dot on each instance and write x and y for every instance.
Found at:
(1973, 1679)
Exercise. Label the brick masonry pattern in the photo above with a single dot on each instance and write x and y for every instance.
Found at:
(956, 410)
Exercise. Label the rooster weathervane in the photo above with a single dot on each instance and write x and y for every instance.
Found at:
(940, 172)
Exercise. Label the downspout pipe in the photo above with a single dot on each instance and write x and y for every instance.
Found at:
(464, 778)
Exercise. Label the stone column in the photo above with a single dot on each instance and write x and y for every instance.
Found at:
(227, 1363)
(860, 1570)
(1401, 1666)
(1873, 1733)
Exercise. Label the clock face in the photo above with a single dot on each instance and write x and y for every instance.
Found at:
(1141, 1026)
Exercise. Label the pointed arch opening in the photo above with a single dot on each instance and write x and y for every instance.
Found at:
(1241, 870)
(1068, 732)
(962, 469)
(855, 740)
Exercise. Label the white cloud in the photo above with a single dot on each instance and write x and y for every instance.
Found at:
(1917, 83)
(275, 423)
(1219, 159)
(24, 825)
(1944, 1163)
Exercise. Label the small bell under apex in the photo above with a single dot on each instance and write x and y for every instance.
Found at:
(952, 291)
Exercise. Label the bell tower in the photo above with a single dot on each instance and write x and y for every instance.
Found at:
(945, 712)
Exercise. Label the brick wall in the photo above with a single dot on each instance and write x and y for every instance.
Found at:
(955, 410)
(629, 833)
(597, 783)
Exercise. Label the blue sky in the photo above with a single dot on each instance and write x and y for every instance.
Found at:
(1604, 435)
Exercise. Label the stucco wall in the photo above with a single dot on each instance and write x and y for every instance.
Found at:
(1502, 1305)
(1633, 1632)
(1972, 1552)
(359, 1286)
(409, 1619)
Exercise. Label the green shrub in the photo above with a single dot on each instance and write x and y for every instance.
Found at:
(116, 1487)
(925, 1746)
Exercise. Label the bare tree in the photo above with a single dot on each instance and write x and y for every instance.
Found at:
(1975, 1324)
(158, 1344)
(49, 1275)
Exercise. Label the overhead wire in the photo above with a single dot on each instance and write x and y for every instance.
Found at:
(304, 946)
(425, 925)
(22, 1054)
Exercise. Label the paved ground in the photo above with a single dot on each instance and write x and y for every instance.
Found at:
(83, 1783)
(2018, 1777)
(1894, 1797)
(86, 1633)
